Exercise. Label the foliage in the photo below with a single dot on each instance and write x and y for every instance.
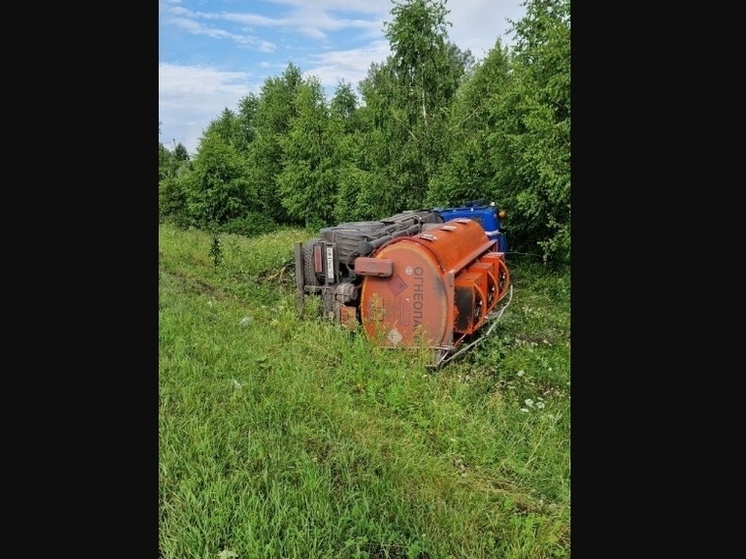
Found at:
(181, 154)
(245, 127)
(217, 188)
(343, 106)
(226, 127)
(272, 117)
(250, 225)
(308, 180)
(173, 167)
(533, 138)
(172, 164)
(469, 172)
(172, 201)
(216, 250)
(408, 97)
(164, 161)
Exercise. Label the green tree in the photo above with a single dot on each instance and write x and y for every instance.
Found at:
(469, 172)
(226, 126)
(180, 153)
(409, 98)
(165, 162)
(532, 137)
(353, 150)
(344, 105)
(217, 189)
(172, 169)
(308, 180)
(246, 126)
(172, 200)
(272, 119)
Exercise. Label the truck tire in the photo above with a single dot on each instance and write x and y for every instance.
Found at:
(360, 225)
(348, 237)
(309, 274)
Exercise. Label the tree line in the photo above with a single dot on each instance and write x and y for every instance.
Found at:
(428, 127)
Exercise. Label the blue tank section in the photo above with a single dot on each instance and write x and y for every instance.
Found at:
(487, 215)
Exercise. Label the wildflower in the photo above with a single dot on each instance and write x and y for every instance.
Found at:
(521, 373)
(529, 402)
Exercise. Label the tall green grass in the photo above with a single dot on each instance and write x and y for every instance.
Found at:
(293, 437)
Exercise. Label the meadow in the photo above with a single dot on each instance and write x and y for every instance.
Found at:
(291, 437)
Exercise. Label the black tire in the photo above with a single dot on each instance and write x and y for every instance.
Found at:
(361, 225)
(309, 274)
(347, 240)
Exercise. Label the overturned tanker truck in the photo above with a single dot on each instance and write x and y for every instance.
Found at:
(435, 278)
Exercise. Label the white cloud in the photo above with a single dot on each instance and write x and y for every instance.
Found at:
(374, 7)
(191, 97)
(310, 20)
(477, 24)
(349, 65)
(195, 28)
(240, 49)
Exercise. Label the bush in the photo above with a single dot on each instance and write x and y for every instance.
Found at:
(250, 225)
(172, 200)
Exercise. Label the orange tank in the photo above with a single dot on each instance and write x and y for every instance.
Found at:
(433, 288)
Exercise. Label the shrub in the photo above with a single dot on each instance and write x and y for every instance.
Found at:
(251, 225)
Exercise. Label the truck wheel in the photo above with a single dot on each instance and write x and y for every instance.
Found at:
(309, 273)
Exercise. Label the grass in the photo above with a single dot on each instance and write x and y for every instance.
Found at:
(292, 437)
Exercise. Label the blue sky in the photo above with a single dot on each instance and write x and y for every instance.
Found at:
(211, 53)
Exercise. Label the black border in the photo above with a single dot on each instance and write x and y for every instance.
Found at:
(86, 211)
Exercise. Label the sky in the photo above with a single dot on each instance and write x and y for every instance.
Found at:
(212, 53)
